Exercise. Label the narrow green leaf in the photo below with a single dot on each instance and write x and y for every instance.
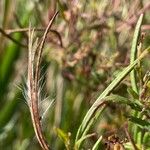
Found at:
(91, 112)
(132, 93)
(96, 145)
(133, 54)
(141, 122)
(82, 139)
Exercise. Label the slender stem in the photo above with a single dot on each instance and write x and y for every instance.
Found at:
(11, 38)
(11, 31)
(41, 49)
(33, 87)
(33, 98)
(130, 138)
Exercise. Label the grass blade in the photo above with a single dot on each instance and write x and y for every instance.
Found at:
(134, 52)
(95, 147)
(91, 113)
(133, 56)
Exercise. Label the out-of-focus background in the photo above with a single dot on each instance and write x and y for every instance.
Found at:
(89, 43)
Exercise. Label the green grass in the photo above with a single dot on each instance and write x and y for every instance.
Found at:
(90, 51)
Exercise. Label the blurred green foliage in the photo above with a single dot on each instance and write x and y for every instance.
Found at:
(91, 46)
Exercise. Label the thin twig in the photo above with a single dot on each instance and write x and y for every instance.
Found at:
(11, 38)
(10, 31)
(130, 138)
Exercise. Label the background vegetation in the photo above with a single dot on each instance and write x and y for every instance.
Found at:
(88, 45)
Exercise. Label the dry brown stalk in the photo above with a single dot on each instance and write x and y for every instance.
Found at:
(41, 48)
(33, 86)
